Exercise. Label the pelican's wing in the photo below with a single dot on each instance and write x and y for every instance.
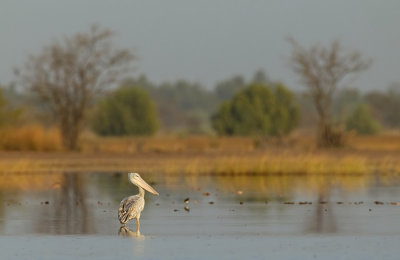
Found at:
(128, 209)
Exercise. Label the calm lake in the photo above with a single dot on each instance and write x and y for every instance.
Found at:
(74, 216)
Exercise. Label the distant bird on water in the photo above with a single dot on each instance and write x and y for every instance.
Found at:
(131, 207)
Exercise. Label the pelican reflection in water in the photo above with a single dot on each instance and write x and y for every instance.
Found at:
(124, 231)
(132, 206)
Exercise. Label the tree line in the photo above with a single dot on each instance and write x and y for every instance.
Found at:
(77, 83)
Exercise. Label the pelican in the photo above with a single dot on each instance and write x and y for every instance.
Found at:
(131, 207)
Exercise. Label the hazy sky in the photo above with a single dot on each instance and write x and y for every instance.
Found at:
(210, 40)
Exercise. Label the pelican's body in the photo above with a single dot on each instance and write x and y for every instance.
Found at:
(131, 207)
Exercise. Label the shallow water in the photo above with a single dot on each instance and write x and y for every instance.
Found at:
(64, 216)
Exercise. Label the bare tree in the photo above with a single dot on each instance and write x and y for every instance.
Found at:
(321, 70)
(68, 75)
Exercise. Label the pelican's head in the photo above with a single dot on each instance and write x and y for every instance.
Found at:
(138, 181)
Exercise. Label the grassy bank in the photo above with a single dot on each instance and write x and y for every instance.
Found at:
(210, 155)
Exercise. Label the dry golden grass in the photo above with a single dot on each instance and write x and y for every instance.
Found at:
(165, 144)
(389, 142)
(200, 155)
(33, 137)
(384, 142)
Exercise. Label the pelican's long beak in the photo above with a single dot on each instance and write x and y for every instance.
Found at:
(146, 186)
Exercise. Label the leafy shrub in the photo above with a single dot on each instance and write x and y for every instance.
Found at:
(128, 111)
(258, 110)
(361, 121)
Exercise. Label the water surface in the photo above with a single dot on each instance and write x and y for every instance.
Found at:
(70, 214)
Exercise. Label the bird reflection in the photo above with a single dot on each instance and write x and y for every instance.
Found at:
(324, 220)
(68, 208)
(124, 231)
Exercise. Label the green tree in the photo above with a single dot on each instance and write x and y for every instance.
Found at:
(257, 110)
(128, 111)
(361, 121)
(286, 115)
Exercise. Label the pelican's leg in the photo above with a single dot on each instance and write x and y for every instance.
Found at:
(138, 225)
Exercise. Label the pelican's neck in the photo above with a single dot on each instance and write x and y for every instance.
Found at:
(141, 191)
